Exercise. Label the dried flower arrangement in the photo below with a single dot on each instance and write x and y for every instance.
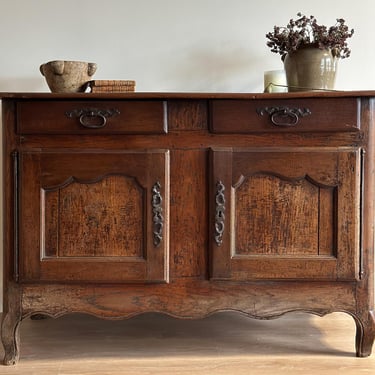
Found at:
(305, 31)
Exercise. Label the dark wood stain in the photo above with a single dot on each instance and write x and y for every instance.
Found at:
(84, 231)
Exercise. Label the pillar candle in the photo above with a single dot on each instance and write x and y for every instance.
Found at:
(275, 81)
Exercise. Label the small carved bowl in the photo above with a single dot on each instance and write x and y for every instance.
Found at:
(67, 76)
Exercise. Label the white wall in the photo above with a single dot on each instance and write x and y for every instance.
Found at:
(170, 45)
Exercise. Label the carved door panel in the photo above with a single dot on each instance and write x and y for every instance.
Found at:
(285, 214)
(93, 216)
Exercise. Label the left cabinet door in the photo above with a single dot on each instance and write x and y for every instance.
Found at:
(93, 216)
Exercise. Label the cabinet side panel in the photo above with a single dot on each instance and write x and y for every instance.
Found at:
(9, 250)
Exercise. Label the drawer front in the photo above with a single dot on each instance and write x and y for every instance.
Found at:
(288, 115)
(91, 117)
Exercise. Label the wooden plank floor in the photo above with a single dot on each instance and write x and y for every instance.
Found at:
(226, 343)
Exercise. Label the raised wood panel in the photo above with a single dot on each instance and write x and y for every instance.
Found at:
(102, 219)
(277, 217)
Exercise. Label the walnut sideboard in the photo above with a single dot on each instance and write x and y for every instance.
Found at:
(187, 205)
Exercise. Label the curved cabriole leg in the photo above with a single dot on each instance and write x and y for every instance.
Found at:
(365, 335)
(10, 338)
(11, 321)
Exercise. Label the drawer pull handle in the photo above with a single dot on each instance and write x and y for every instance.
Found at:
(92, 118)
(284, 116)
(157, 210)
(220, 215)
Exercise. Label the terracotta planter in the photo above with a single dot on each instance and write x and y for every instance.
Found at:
(310, 68)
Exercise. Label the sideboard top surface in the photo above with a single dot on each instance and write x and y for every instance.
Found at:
(183, 95)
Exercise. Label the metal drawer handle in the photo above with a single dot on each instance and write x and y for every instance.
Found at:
(92, 118)
(284, 116)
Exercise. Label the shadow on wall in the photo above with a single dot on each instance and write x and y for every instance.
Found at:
(230, 68)
(26, 84)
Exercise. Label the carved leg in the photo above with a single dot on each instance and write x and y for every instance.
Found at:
(10, 338)
(365, 334)
(11, 321)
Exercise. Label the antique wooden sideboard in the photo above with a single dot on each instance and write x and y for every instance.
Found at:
(188, 204)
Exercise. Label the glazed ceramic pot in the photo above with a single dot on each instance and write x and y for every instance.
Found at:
(310, 68)
(68, 76)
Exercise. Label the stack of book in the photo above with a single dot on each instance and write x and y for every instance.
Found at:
(107, 85)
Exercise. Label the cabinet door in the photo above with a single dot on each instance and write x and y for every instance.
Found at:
(285, 214)
(93, 216)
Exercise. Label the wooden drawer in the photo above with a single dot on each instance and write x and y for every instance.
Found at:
(91, 117)
(288, 115)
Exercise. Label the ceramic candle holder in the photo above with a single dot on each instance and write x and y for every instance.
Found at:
(275, 81)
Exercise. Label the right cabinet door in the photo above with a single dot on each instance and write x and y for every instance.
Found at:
(290, 213)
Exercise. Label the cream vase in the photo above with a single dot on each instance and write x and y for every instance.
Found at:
(310, 68)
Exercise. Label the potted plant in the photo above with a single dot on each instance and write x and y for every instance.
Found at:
(310, 51)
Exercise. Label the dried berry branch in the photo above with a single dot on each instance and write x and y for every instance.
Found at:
(305, 31)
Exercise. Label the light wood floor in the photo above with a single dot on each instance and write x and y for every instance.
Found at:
(225, 343)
